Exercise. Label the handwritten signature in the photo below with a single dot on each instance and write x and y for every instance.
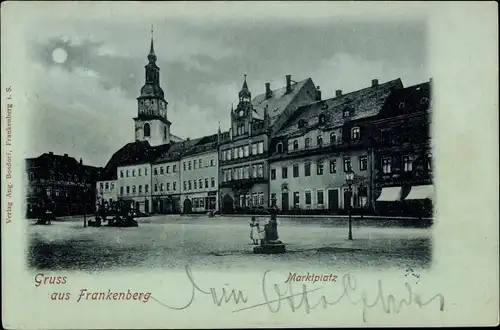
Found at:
(301, 299)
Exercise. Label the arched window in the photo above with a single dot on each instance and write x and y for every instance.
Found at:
(279, 147)
(147, 130)
(307, 141)
(164, 131)
(295, 145)
(333, 138)
(320, 140)
(355, 133)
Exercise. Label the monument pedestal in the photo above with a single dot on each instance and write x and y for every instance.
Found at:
(270, 247)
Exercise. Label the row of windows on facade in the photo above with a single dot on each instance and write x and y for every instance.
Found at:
(363, 166)
(243, 172)
(107, 186)
(294, 144)
(126, 173)
(251, 200)
(58, 176)
(243, 151)
(199, 202)
(186, 166)
(49, 190)
(407, 163)
(198, 184)
(320, 197)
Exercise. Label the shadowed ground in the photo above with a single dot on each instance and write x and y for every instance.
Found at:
(174, 241)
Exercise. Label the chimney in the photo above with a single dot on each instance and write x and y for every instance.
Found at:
(374, 82)
(288, 83)
(81, 161)
(65, 155)
(269, 92)
(51, 153)
(338, 92)
(430, 81)
(318, 94)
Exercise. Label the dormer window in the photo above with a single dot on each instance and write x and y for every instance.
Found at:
(424, 100)
(355, 133)
(347, 113)
(302, 123)
(307, 142)
(401, 105)
(279, 148)
(322, 119)
(295, 145)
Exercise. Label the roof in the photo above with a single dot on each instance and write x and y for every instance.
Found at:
(277, 103)
(409, 99)
(132, 153)
(363, 103)
(50, 161)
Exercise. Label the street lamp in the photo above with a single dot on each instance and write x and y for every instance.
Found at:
(349, 178)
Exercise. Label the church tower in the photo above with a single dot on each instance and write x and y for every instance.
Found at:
(151, 123)
(241, 118)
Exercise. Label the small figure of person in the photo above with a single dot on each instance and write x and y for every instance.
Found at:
(254, 231)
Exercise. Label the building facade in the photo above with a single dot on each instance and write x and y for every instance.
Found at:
(311, 155)
(403, 153)
(60, 182)
(134, 184)
(243, 153)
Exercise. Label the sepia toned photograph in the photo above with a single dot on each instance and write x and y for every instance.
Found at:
(307, 140)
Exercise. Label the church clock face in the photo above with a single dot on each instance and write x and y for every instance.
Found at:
(241, 113)
(147, 102)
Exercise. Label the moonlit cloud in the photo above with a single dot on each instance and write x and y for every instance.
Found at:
(84, 105)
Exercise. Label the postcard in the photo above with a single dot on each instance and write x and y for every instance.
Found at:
(249, 164)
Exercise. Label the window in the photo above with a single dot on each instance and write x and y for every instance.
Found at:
(112, 186)
(347, 113)
(213, 182)
(164, 131)
(347, 164)
(254, 149)
(189, 185)
(174, 168)
(212, 162)
(296, 198)
(194, 164)
(128, 189)
(189, 165)
(223, 156)
(133, 173)
(386, 165)
(319, 140)
(273, 174)
(429, 162)
(247, 172)
(319, 168)
(320, 198)
(121, 190)
(308, 197)
(126, 172)
(101, 185)
(146, 188)
(206, 182)
(121, 174)
(196, 203)
(295, 145)
(407, 163)
(228, 154)
(184, 185)
(261, 199)
(167, 169)
(156, 187)
(279, 148)
(156, 170)
(295, 171)
(301, 123)
(161, 170)
(246, 151)
(307, 142)
(200, 183)
(168, 186)
(333, 138)
(254, 171)
(284, 172)
(147, 130)
(363, 163)
(355, 133)
(184, 166)
(145, 171)
(200, 163)
(242, 200)
(273, 199)
(140, 189)
(261, 147)
(333, 166)
(195, 184)
(307, 169)
(174, 186)
(254, 199)
(322, 117)
(261, 171)
(240, 152)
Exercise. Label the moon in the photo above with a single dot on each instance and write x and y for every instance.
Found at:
(59, 55)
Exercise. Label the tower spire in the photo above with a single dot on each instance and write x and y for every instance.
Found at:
(245, 92)
(152, 55)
